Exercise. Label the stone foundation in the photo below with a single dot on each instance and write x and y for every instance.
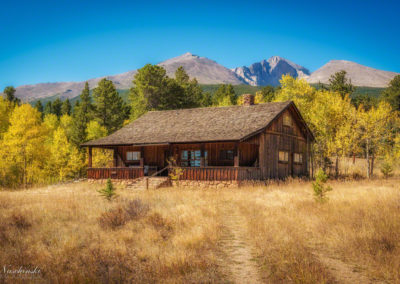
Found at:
(217, 184)
(114, 181)
(205, 184)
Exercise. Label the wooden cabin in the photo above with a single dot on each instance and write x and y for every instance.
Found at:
(248, 142)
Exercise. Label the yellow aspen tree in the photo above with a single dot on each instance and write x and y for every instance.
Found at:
(63, 162)
(66, 123)
(258, 98)
(331, 119)
(5, 112)
(59, 155)
(297, 90)
(101, 157)
(329, 115)
(374, 127)
(51, 123)
(23, 146)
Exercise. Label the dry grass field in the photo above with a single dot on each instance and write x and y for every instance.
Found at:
(271, 234)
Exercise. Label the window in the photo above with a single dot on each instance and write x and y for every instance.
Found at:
(283, 156)
(287, 120)
(227, 155)
(192, 158)
(133, 156)
(298, 158)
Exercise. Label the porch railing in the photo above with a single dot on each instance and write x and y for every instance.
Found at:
(115, 173)
(219, 173)
(188, 173)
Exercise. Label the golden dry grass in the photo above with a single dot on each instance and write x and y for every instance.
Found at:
(357, 168)
(294, 236)
(174, 241)
(174, 235)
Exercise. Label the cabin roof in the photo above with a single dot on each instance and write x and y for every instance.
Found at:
(211, 124)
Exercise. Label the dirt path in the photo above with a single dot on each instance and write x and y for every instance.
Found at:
(343, 272)
(237, 262)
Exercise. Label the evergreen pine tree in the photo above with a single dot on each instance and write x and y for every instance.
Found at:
(83, 113)
(392, 93)
(109, 191)
(39, 107)
(193, 94)
(338, 82)
(9, 91)
(66, 107)
(268, 93)
(149, 91)
(110, 110)
(56, 107)
(48, 109)
(225, 95)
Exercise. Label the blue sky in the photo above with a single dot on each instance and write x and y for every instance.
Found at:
(49, 41)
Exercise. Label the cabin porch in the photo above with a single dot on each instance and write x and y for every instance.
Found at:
(199, 161)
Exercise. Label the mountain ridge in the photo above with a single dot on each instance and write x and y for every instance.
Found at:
(207, 71)
(360, 75)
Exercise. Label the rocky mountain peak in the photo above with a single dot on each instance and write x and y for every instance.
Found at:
(269, 72)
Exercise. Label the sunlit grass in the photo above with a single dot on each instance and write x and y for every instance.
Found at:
(171, 234)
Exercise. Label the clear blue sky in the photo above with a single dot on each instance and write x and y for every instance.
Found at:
(48, 41)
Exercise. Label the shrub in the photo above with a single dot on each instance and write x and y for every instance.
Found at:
(387, 168)
(20, 221)
(119, 216)
(136, 208)
(108, 192)
(114, 218)
(319, 187)
(162, 225)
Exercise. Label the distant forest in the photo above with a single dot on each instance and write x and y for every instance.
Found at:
(239, 90)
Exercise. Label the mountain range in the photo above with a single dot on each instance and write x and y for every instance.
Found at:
(207, 71)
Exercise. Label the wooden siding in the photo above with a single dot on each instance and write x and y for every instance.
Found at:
(114, 173)
(278, 137)
(153, 156)
(220, 173)
(248, 152)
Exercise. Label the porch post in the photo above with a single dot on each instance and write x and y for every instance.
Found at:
(90, 157)
(237, 155)
(202, 158)
(115, 157)
(306, 158)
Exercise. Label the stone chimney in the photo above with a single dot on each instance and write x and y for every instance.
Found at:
(248, 99)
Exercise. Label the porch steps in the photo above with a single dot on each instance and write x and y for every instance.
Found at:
(153, 183)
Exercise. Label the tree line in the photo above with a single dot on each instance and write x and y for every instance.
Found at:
(41, 144)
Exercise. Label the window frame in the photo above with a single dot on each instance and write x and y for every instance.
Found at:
(286, 156)
(300, 155)
(138, 156)
(192, 158)
(224, 156)
(287, 120)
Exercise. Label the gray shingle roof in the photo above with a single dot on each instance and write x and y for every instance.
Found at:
(231, 123)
